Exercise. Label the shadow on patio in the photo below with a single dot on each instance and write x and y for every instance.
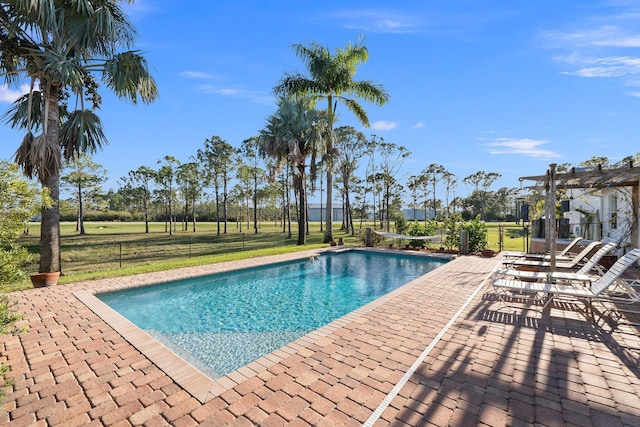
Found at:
(506, 366)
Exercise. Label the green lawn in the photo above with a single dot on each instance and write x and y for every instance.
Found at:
(113, 249)
(514, 236)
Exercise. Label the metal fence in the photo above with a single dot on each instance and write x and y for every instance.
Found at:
(86, 257)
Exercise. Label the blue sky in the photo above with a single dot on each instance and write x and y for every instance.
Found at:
(499, 86)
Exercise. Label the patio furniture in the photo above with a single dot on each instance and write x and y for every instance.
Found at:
(564, 254)
(566, 265)
(573, 289)
(581, 275)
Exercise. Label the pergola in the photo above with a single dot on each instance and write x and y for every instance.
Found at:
(627, 175)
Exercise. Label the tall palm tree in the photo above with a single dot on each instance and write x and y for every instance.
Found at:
(331, 78)
(65, 47)
(292, 134)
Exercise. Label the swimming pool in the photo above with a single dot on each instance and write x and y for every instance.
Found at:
(224, 321)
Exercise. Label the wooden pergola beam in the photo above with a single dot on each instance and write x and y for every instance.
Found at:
(627, 175)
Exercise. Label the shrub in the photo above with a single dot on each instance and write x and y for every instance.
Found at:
(19, 202)
(401, 224)
(477, 234)
(452, 225)
(416, 228)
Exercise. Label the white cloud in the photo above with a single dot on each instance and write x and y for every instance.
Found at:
(384, 125)
(608, 67)
(377, 21)
(602, 36)
(419, 125)
(521, 146)
(10, 95)
(197, 75)
(254, 96)
(602, 46)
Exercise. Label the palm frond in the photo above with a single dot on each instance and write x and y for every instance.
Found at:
(101, 27)
(81, 133)
(17, 116)
(371, 92)
(127, 74)
(62, 70)
(357, 110)
(39, 157)
(21, 155)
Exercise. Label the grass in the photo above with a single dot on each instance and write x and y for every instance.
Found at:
(513, 236)
(115, 249)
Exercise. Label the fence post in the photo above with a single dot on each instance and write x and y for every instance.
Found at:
(464, 242)
(189, 246)
(120, 254)
(242, 242)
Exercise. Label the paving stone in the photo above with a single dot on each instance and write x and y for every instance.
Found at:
(493, 366)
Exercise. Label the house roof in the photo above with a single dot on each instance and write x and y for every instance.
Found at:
(626, 175)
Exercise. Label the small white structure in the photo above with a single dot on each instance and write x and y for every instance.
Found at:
(318, 212)
(417, 214)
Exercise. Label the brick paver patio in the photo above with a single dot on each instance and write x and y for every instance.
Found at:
(405, 359)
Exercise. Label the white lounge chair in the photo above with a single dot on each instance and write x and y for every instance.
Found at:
(564, 255)
(582, 275)
(566, 265)
(547, 291)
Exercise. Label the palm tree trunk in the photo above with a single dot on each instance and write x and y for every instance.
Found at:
(50, 227)
(302, 215)
(224, 202)
(255, 202)
(50, 223)
(170, 209)
(328, 233)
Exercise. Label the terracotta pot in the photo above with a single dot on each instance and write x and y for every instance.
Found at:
(41, 280)
(488, 252)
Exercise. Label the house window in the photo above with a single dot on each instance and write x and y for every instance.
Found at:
(613, 209)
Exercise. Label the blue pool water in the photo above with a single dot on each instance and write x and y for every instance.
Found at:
(224, 321)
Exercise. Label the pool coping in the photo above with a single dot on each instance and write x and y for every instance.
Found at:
(195, 382)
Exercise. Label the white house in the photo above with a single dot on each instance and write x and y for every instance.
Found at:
(601, 214)
(603, 202)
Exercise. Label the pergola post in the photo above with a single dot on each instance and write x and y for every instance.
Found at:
(635, 211)
(552, 229)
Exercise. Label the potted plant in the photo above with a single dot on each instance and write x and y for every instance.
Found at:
(41, 280)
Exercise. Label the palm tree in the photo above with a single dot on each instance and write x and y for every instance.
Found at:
(292, 134)
(64, 47)
(331, 78)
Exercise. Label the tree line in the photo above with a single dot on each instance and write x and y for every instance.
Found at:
(67, 52)
(242, 186)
